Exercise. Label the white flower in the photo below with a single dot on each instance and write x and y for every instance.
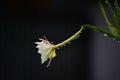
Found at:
(45, 48)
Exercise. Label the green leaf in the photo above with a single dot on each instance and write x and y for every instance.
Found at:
(113, 15)
(114, 31)
(117, 10)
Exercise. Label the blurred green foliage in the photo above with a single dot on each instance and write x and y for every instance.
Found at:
(114, 28)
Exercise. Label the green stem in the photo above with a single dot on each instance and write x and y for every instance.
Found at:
(70, 39)
(80, 31)
(102, 31)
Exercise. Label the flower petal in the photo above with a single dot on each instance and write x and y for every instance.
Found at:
(44, 49)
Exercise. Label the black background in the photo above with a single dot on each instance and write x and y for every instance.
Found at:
(90, 57)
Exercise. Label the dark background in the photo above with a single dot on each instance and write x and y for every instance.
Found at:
(92, 56)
